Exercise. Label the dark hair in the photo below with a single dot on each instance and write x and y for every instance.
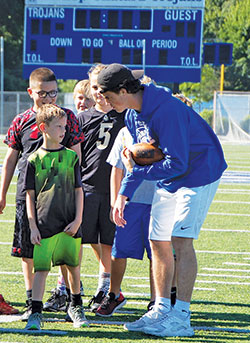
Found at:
(131, 87)
(41, 75)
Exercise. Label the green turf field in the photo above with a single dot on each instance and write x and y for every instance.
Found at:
(221, 300)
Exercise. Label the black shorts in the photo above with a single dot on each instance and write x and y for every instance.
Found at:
(96, 226)
(22, 246)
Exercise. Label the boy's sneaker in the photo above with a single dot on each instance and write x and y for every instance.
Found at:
(148, 319)
(56, 303)
(6, 308)
(96, 301)
(34, 321)
(176, 324)
(110, 304)
(81, 289)
(27, 311)
(77, 315)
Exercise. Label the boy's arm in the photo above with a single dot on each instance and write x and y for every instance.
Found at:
(72, 228)
(9, 165)
(77, 148)
(116, 177)
(35, 236)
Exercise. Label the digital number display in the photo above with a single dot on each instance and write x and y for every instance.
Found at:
(70, 39)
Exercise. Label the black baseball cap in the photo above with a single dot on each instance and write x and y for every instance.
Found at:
(115, 75)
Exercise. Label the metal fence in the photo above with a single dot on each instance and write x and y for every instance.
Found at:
(17, 102)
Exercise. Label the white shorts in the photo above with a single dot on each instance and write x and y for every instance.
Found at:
(180, 214)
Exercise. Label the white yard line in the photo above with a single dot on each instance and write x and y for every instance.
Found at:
(225, 230)
(222, 252)
(226, 276)
(224, 282)
(227, 191)
(228, 270)
(229, 214)
(195, 288)
(231, 202)
(237, 264)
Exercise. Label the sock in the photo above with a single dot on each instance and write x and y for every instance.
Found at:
(37, 306)
(76, 299)
(173, 295)
(112, 294)
(29, 294)
(68, 294)
(61, 284)
(104, 282)
(162, 304)
(182, 306)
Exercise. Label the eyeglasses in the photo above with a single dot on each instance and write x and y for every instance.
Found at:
(43, 94)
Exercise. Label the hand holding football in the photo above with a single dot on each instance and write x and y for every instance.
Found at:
(146, 153)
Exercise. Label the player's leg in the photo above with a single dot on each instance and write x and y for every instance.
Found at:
(106, 230)
(39, 286)
(42, 264)
(191, 210)
(161, 224)
(23, 248)
(35, 318)
(163, 270)
(145, 220)
(152, 287)
(115, 299)
(104, 267)
(128, 243)
(27, 267)
(90, 235)
(97, 251)
(118, 268)
(58, 299)
(68, 249)
(75, 309)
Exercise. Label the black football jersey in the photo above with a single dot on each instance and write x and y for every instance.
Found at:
(100, 130)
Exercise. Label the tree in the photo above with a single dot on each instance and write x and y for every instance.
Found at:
(204, 90)
(224, 21)
(11, 28)
(236, 29)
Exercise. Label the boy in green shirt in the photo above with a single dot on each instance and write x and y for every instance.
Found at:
(54, 208)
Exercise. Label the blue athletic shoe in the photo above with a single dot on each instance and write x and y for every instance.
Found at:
(34, 321)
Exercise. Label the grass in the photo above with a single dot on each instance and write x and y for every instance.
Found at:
(220, 304)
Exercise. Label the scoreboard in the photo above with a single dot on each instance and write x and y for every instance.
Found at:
(164, 37)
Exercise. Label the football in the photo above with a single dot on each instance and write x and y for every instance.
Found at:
(146, 153)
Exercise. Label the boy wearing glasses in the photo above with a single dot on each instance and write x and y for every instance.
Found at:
(23, 138)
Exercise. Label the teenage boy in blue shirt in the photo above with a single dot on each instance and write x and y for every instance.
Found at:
(187, 177)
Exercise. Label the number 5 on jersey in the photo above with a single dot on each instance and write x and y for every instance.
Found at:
(104, 136)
